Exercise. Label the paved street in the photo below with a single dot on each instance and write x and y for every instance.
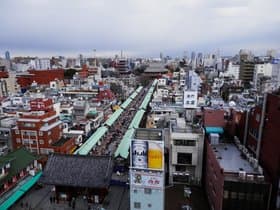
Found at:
(174, 198)
(39, 199)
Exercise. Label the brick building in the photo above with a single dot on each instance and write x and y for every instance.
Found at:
(41, 77)
(232, 181)
(263, 140)
(40, 130)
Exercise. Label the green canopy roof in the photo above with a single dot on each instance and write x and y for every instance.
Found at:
(91, 142)
(19, 160)
(126, 103)
(123, 147)
(19, 191)
(137, 119)
(133, 95)
(113, 117)
(139, 89)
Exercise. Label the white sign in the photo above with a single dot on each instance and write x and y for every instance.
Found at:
(141, 179)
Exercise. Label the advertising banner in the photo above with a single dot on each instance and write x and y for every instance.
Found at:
(147, 180)
(147, 154)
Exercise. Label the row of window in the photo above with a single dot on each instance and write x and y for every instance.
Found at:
(242, 196)
(30, 141)
(179, 142)
(31, 133)
(190, 102)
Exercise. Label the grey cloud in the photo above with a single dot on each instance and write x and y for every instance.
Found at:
(137, 26)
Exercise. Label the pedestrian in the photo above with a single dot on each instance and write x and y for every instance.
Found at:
(50, 199)
(21, 204)
(74, 204)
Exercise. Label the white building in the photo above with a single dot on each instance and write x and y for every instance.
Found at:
(147, 170)
(186, 152)
(233, 71)
(261, 71)
(275, 76)
(42, 64)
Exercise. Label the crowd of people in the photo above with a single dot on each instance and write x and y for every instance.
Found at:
(113, 137)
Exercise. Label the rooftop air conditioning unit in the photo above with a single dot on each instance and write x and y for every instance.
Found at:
(260, 178)
(242, 175)
(255, 163)
(251, 159)
(260, 169)
(250, 177)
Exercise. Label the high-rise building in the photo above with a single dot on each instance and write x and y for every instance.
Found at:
(246, 73)
(7, 55)
(147, 170)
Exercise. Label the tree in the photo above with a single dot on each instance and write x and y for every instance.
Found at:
(69, 73)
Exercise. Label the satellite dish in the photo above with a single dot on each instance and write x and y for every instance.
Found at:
(232, 104)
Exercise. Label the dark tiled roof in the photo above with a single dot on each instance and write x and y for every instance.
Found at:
(19, 160)
(78, 171)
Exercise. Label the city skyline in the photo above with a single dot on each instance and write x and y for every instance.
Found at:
(138, 28)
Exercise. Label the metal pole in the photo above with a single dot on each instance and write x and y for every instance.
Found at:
(246, 127)
(261, 126)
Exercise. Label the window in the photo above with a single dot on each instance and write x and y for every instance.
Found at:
(41, 141)
(149, 205)
(18, 140)
(147, 191)
(181, 142)
(225, 194)
(137, 205)
(17, 131)
(40, 133)
(180, 168)
(49, 133)
(241, 196)
(184, 158)
(135, 191)
(29, 125)
(233, 195)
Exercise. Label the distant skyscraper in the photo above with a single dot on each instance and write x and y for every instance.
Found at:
(7, 55)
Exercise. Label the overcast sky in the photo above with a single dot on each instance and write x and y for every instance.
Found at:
(138, 27)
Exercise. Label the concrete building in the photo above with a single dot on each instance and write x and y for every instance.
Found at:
(186, 152)
(6, 124)
(232, 71)
(262, 73)
(275, 76)
(246, 71)
(147, 170)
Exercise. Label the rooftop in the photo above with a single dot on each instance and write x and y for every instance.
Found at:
(78, 171)
(19, 159)
(61, 141)
(231, 159)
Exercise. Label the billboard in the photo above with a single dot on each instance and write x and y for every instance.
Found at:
(147, 154)
(147, 180)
